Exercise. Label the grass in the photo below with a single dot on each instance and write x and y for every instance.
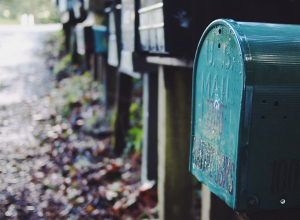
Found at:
(8, 21)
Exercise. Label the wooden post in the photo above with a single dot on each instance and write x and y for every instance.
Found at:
(67, 32)
(150, 101)
(124, 91)
(213, 208)
(107, 75)
(101, 67)
(175, 183)
(94, 66)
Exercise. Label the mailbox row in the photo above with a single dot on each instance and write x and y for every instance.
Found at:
(161, 27)
(245, 115)
(145, 27)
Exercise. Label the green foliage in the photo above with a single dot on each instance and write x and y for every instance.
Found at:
(63, 65)
(43, 10)
(135, 133)
(55, 43)
(73, 90)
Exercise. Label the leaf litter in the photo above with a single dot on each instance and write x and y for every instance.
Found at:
(64, 167)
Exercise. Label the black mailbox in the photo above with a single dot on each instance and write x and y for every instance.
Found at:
(174, 27)
(166, 27)
(131, 61)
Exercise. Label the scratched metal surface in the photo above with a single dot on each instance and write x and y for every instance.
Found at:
(246, 114)
(218, 88)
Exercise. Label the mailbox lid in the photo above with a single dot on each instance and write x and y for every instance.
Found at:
(218, 95)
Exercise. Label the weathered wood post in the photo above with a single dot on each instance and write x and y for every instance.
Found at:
(175, 183)
(213, 208)
(150, 120)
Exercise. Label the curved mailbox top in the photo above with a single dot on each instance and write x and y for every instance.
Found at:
(246, 114)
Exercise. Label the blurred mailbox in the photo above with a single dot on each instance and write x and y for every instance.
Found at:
(246, 114)
(166, 27)
(131, 62)
(114, 36)
(84, 39)
(100, 37)
(65, 5)
(94, 5)
(113, 57)
(128, 36)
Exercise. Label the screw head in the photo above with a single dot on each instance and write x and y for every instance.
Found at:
(282, 201)
(251, 202)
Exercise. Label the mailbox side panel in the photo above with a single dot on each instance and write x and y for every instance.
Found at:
(273, 170)
(218, 84)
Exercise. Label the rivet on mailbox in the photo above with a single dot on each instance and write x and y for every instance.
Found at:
(245, 139)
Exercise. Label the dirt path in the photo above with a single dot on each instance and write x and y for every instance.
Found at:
(24, 80)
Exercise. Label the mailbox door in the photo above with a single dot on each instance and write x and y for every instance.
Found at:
(218, 88)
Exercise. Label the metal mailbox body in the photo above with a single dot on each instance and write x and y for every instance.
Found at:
(246, 114)
(167, 26)
(100, 37)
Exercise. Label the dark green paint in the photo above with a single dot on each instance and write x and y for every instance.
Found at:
(246, 114)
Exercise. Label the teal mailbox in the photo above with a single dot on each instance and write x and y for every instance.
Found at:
(100, 38)
(245, 137)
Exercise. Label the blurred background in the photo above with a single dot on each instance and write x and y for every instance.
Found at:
(43, 11)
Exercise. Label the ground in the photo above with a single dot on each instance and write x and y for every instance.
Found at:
(50, 167)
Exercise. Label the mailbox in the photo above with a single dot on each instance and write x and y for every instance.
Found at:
(131, 61)
(167, 26)
(100, 37)
(94, 5)
(85, 36)
(114, 33)
(65, 5)
(80, 13)
(246, 114)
